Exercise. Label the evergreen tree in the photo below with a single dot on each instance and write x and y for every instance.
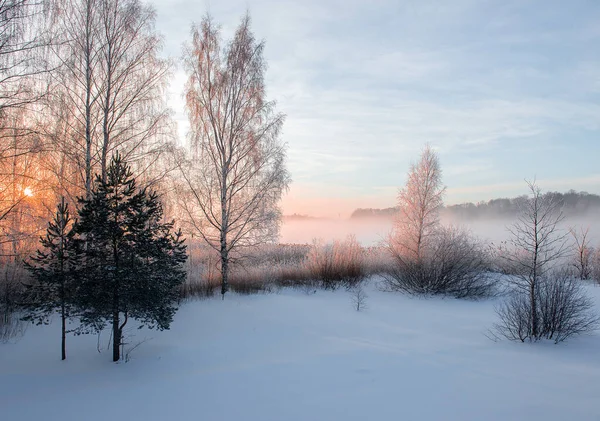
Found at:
(134, 263)
(55, 272)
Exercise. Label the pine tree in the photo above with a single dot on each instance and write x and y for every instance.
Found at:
(55, 272)
(134, 262)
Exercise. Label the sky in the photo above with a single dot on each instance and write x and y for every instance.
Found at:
(503, 90)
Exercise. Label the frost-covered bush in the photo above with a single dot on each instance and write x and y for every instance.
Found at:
(451, 263)
(562, 310)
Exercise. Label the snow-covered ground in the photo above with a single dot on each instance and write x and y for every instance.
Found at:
(292, 356)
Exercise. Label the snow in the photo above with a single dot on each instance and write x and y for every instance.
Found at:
(293, 356)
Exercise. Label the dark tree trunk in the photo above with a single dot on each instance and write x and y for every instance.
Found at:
(224, 273)
(534, 318)
(105, 123)
(64, 332)
(63, 297)
(88, 105)
(115, 310)
(116, 337)
(224, 230)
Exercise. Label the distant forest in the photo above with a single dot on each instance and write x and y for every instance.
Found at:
(573, 204)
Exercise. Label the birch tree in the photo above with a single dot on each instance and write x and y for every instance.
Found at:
(582, 261)
(24, 36)
(76, 99)
(134, 78)
(110, 88)
(419, 203)
(237, 171)
(535, 247)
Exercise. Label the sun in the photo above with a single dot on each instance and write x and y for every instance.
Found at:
(28, 192)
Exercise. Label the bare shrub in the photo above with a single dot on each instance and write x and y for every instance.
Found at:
(561, 309)
(11, 326)
(359, 297)
(595, 265)
(515, 323)
(12, 277)
(377, 260)
(336, 264)
(453, 263)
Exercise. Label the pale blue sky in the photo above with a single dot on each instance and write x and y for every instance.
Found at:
(504, 90)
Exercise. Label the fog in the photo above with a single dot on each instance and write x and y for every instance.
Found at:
(371, 231)
(368, 232)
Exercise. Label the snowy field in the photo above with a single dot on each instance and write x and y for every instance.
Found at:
(292, 356)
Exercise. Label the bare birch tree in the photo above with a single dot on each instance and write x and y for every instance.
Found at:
(75, 101)
(419, 203)
(134, 79)
(237, 172)
(583, 252)
(24, 36)
(536, 246)
(110, 89)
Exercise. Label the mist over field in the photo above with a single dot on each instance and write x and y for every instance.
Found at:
(368, 232)
(372, 231)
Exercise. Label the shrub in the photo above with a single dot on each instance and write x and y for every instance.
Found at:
(12, 278)
(595, 265)
(377, 260)
(359, 297)
(562, 310)
(453, 264)
(337, 264)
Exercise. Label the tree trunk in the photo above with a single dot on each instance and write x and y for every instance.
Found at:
(533, 283)
(64, 332)
(224, 270)
(115, 307)
(224, 230)
(116, 337)
(534, 319)
(107, 108)
(88, 105)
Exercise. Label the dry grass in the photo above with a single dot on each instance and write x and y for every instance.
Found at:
(336, 264)
(266, 268)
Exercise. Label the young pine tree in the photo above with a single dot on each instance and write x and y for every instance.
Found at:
(55, 272)
(134, 263)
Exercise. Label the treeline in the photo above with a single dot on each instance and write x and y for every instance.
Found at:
(572, 204)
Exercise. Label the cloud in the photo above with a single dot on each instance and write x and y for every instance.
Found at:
(503, 90)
